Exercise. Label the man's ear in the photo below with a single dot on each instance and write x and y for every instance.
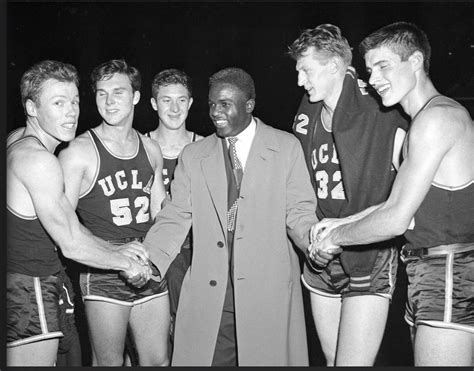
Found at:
(417, 60)
(30, 108)
(136, 97)
(335, 64)
(190, 102)
(153, 103)
(250, 105)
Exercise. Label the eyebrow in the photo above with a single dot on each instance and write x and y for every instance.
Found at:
(114, 89)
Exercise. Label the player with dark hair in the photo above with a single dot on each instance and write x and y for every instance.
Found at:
(352, 146)
(431, 201)
(171, 99)
(113, 177)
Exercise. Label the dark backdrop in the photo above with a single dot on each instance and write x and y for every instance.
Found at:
(202, 37)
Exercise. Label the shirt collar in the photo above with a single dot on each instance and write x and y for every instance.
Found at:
(246, 136)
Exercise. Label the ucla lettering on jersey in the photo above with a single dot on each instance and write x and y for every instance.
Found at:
(118, 203)
(327, 174)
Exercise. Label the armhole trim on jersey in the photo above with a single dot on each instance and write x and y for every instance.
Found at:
(451, 188)
(21, 216)
(97, 168)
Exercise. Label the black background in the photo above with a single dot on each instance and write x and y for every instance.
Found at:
(203, 37)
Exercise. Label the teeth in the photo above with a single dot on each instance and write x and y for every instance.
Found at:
(382, 89)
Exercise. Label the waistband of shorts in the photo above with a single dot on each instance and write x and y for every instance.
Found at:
(121, 241)
(437, 250)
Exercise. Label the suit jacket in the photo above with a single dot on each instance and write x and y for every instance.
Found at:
(276, 202)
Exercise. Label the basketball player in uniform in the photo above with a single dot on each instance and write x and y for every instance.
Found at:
(431, 203)
(351, 148)
(172, 99)
(40, 218)
(113, 177)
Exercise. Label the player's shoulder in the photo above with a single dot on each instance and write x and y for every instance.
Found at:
(148, 142)
(82, 141)
(444, 114)
(80, 149)
(152, 148)
(28, 158)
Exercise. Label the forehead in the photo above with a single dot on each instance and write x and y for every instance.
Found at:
(118, 80)
(173, 89)
(310, 57)
(226, 91)
(53, 87)
(380, 54)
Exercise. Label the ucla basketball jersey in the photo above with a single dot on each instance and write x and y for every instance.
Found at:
(117, 205)
(327, 174)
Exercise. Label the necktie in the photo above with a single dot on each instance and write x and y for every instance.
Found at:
(236, 165)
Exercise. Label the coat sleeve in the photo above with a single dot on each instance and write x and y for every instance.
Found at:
(300, 198)
(172, 223)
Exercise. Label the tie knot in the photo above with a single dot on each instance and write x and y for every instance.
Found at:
(233, 140)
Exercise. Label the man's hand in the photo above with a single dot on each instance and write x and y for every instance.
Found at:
(138, 274)
(321, 252)
(135, 250)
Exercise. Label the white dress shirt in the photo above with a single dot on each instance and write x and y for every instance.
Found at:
(244, 142)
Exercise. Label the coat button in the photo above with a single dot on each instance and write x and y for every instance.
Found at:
(220, 244)
(212, 283)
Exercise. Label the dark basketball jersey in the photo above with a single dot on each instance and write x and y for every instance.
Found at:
(446, 216)
(169, 165)
(117, 205)
(30, 250)
(327, 174)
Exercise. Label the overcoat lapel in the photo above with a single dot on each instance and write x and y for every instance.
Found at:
(261, 151)
(213, 168)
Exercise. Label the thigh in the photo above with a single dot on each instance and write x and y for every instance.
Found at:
(435, 346)
(361, 329)
(149, 325)
(40, 353)
(107, 328)
(326, 312)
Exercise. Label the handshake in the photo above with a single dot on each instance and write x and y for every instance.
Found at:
(322, 249)
(141, 268)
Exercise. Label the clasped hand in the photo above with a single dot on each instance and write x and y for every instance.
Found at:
(139, 272)
(321, 249)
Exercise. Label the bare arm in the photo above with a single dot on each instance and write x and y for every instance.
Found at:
(430, 138)
(78, 162)
(41, 175)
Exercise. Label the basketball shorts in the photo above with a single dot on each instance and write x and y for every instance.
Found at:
(67, 323)
(110, 286)
(333, 281)
(440, 287)
(32, 309)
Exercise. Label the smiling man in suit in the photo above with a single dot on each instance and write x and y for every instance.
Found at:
(246, 192)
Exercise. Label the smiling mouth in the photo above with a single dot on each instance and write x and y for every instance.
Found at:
(220, 123)
(382, 90)
(69, 125)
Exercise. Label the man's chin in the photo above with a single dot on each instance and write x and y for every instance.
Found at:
(221, 132)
